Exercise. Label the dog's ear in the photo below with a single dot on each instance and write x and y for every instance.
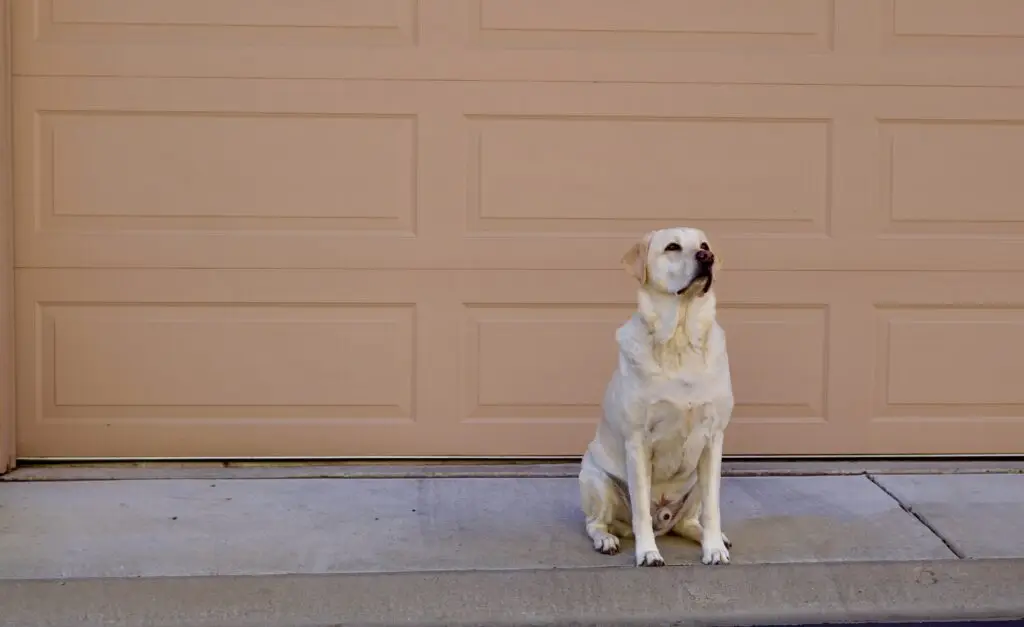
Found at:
(635, 259)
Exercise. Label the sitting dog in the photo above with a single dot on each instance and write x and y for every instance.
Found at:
(655, 463)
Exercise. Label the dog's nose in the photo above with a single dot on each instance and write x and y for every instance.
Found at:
(705, 257)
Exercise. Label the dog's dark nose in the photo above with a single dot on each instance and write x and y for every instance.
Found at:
(705, 257)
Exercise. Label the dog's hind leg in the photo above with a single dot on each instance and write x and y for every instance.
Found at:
(600, 501)
(691, 529)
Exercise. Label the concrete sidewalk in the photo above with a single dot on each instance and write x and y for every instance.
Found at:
(407, 545)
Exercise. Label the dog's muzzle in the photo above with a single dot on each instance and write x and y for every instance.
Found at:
(705, 261)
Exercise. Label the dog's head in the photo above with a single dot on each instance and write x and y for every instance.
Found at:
(674, 261)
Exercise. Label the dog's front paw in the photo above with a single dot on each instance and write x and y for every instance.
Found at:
(649, 558)
(715, 553)
(607, 544)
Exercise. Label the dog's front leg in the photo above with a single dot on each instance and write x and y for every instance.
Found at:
(709, 479)
(638, 470)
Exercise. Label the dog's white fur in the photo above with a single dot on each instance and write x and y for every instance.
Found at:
(654, 465)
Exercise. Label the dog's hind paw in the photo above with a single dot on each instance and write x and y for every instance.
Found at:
(649, 558)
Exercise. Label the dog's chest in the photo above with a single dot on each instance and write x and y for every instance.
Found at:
(675, 438)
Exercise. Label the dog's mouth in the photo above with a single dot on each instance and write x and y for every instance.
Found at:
(705, 275)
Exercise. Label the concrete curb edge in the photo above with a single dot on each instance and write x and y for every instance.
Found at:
(762, 594)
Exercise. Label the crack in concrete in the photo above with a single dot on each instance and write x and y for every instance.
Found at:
(953, 548)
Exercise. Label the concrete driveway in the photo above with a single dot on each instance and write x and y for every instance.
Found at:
(307, 546)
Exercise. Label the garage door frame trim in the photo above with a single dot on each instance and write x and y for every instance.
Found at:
(7, 404)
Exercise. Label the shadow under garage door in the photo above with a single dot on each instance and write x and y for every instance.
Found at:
(392, 227)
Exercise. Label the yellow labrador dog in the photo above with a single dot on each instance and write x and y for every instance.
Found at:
(654, 465)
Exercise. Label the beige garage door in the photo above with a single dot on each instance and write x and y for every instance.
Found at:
(392, 227)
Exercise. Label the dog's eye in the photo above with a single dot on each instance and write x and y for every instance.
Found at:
(673, 247)
(704, 246)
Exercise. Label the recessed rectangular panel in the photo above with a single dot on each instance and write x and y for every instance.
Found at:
(309, 22)
(655, 23)
(320, 13)
(622, 173)
(543, 361)
(136, 170)
(963, 18)
(954, 172)
(680, 16)
(936, 363)
(205, 359)
(958, 30)
(554, 361)
(778, 357)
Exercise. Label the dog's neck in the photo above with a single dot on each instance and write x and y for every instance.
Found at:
(679, 325)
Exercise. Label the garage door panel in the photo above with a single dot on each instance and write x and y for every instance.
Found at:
(182, 363)
(303, 13)
(629, 172)
(789, 342)
(517, 356)
(944, 348)
(518, 359)
(522, 336)
(538, 352)
(492, 362)
(158, 173)
(110, 161)
(177, 358)
(492, 171)
(992, 26)
(952, 176)
(598, 144)
(181, 354)
(222, 22)
(474, 40)
(790, 25)
(764, 337)
(157, 357)
(217, 38)
(916, 369)
(128, 171)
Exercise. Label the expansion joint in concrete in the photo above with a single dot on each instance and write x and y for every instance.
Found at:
(908, 508)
